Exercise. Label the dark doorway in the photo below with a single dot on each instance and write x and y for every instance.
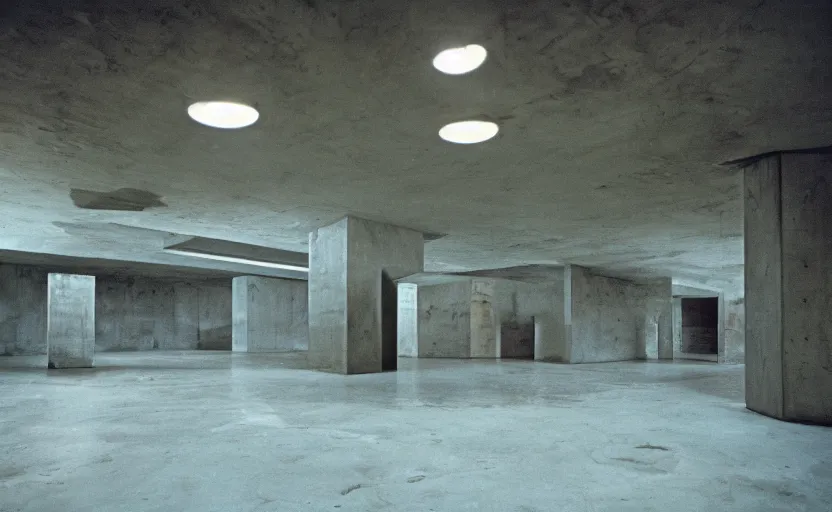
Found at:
(700, 321)
(389, 324)
(517, 340)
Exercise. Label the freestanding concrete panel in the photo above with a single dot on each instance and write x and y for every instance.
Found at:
(352, 303)
(70, 321)
(788, 286)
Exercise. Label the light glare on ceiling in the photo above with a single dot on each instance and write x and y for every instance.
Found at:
(469, 132)
(458, 61)
(223, 114)
(243, 261)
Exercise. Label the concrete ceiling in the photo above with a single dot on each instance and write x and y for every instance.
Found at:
(614, 115)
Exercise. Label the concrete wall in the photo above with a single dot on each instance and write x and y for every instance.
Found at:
(700, 322)
(602, 317)
(147, 314)
(130, 313)
(23, 292)
(408, 325)
(523, 307)
(445, 320)
(269, 315)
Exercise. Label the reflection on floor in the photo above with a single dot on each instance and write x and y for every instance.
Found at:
(213, 431)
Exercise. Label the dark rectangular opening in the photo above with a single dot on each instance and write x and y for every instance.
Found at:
(389, 324)
(516, 340)
(700, 321)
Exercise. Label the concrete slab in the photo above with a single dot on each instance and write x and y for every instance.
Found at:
(224, 424)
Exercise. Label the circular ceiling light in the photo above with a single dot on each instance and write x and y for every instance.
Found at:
(223, 114)
(469, 132)
(458, 61)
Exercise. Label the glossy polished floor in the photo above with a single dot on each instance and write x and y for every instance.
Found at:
(211, 431)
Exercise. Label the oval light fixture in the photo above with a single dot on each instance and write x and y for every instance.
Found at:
(223, 114)
(458, 61)
(469, 132)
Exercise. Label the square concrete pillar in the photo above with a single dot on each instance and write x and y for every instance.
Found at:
(408, 320)
(788, 286)
(269, 315)
(70, 321)
(484, 322)
(655, 325)
(353, 265)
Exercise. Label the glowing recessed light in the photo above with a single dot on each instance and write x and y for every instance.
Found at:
(457, 61)
(234, 259)
(223, 114)
(469, 132)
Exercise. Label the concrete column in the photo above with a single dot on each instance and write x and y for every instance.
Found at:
(408, 328)
(70, 321)
(268, 315)
(655, 326)
(788, 286)
(665, 329)
(731, 328)
(483, 320)
(676, 314)
(353, 264)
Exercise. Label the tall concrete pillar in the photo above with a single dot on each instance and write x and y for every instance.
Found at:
(655, 327)
(70, 321)
(483, 320)
(408, 318)
(731, 328)
(268, 315)
(788, 286)
(353, 264)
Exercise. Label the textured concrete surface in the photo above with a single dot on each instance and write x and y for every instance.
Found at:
(444, 315)
(131, 313)
(614, 116)
(269, 315)
(148, 314)
(789, 286)
(351, 264)
(604, 315)
(483, 320)
(408, 320)
(732, 325)
(209, 432)
(23, 291)
(70, 321)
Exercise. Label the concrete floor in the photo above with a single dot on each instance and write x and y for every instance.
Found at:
(203, 431)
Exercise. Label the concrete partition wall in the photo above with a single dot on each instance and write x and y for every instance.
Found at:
(530, 318)
(788, 286)
(269, 315)
(350, 262)
(70, 323)
(602, 316)
(444, 318)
